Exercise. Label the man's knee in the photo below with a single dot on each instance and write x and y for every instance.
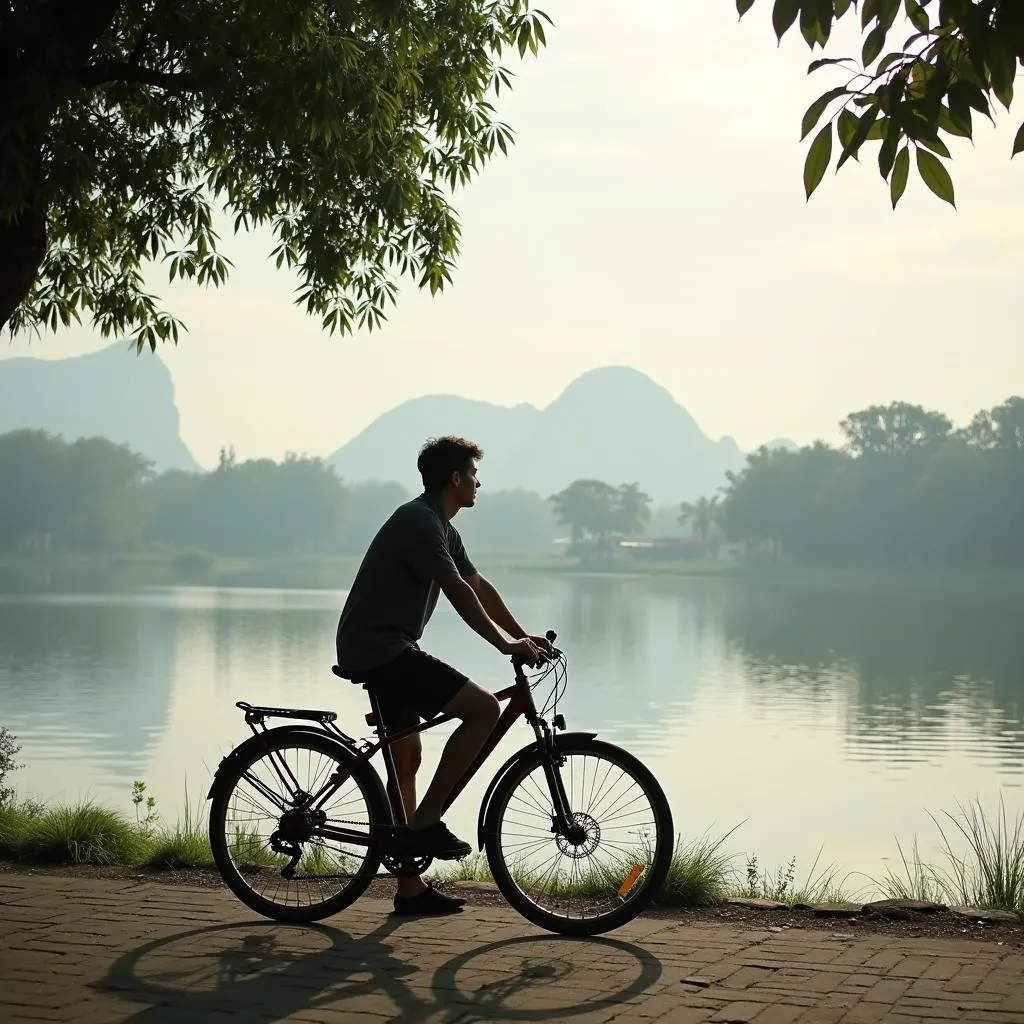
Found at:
(474, 704)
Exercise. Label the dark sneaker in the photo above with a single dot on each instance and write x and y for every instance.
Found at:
(430, 901)
(436, 841)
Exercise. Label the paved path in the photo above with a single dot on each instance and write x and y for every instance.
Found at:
(93, 951)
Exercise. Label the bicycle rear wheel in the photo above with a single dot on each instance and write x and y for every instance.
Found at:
(249, 800)
(617, 858)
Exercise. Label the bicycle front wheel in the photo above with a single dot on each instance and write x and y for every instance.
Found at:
(616, 858)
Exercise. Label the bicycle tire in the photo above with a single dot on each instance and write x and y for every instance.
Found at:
(653, 878)
(379, 814)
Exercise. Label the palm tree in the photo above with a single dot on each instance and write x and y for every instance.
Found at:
(702, 514)
(633, 508)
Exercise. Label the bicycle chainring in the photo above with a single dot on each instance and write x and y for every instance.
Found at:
(404, 865)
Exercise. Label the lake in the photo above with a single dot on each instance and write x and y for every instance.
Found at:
(812, 718)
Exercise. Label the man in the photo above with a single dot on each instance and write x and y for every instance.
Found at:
(416, 555)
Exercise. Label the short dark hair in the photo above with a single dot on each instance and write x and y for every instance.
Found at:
(442, 456)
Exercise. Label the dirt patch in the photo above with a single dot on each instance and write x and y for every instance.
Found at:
(898, 923)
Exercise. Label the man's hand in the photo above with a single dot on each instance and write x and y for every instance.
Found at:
(527, 649)
(543, 643)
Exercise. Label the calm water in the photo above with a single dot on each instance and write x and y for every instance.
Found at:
(811, 719)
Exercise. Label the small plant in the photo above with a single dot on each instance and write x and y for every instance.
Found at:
(146, 823)
(825, 887)
(9, 750)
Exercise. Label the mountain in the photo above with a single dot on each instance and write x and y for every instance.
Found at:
(112, 393)
(612, 423)
(781, 442)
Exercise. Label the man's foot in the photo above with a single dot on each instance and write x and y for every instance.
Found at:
(436, 841)
(430, 901)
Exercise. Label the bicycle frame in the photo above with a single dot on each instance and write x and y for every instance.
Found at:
(520, 704)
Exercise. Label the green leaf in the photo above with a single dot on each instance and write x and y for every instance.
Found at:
(783, 15)
(813, 113)
(1018, 142)
(743, 6)
(956, 122)
(936, 145)
(825, 62)
(841, 7)
(864, 125)
(846, 127)
(935, 176)
(887, 151)
(918, 15)
(901, 172)
(873, 44)
(818, 157)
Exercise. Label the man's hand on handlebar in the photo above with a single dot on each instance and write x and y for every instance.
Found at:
(527, 650)
(543, 643)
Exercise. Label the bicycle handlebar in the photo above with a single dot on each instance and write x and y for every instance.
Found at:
(518, 662)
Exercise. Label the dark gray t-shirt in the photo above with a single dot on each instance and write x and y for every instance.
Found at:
(396, 589)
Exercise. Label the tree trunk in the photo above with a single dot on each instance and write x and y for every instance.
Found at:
(22, 247)
(41, 62)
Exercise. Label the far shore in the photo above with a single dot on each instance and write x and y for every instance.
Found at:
(82, 572)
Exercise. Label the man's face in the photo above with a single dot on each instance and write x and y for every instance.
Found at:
(466, 485)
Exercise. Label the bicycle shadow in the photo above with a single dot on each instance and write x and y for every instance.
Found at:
(269, 971)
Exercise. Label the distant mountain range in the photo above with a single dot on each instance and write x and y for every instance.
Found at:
(111, 393)
(612, 423)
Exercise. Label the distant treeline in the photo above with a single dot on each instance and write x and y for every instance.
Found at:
(96, 496)
(905, 489)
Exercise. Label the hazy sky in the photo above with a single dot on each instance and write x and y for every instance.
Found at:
(651, 214)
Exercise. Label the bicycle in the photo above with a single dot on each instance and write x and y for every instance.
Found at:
(316, 843)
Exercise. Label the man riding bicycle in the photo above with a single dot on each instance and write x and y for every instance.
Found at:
(416, 555)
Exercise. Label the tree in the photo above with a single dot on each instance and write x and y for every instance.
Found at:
(588, 508)
(343, 125)
(1001, 428)
(959, 56)
(633, 508)
(701, 515)
(895, 429)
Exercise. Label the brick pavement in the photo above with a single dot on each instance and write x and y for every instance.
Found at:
(92, 951)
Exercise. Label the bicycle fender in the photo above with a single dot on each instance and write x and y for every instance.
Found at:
(258, 741)
(500, 774)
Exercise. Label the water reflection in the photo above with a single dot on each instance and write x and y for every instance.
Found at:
(796, 710)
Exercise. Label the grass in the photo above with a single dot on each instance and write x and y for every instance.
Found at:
(65, 834)
(984, 862)
(982, 854)
(780, 886)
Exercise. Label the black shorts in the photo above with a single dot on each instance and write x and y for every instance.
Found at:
(414, 686)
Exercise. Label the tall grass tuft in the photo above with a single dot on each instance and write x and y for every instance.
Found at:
(699, 875)
(84, 834)
(186, 846)
(919, 881)
(990, 873)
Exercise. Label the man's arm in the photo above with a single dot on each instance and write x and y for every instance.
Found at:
(465, 601)
(495, 607)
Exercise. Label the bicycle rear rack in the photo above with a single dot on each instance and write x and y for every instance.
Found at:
(256, 715)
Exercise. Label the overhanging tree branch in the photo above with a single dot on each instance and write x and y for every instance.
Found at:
(101, 74)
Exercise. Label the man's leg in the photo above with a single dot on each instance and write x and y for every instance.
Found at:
(408, 754)
(478, 711)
